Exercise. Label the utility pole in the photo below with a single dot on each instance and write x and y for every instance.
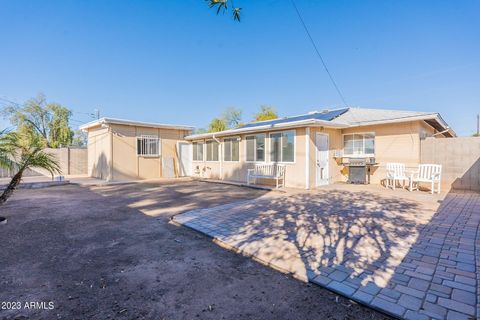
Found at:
(97, 114)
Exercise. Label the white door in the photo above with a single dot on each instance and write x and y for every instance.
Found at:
(185, 159)
(321, 141)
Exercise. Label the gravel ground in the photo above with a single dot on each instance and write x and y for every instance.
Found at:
(110, 253)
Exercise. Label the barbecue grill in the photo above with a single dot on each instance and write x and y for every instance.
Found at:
(359, 170)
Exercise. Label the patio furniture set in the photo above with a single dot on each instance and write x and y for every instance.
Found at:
(425, 173)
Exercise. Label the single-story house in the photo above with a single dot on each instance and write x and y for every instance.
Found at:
(316, 147)
(124, 150)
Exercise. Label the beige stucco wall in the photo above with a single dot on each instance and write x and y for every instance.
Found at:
(113, 152)
(237, 170)
(396, 142)
(99, 152)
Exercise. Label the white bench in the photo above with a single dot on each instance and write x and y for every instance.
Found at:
(267, 171)
(431, 173)
(395, 172)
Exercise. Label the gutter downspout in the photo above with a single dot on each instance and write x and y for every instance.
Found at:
(220, 155)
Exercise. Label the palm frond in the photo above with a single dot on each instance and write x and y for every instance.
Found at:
(8, 146)
(236, 14)
(42, 160)
(221, 5)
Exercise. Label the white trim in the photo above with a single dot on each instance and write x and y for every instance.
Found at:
(430, 116)
(274, 127)
(346, 155)
(316, 158)
(223, 153)
(206, 149)
(179, 156)
(104, 120)
(149, 138)
(255, 146)
(307, 158)
(294, 147)
(203, 150)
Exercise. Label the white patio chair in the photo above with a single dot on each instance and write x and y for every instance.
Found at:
(395, 172)
(430, 173)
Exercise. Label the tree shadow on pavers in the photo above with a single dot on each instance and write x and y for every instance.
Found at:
(382, 250)
(360, 231)
(437, 277)
(346, 240)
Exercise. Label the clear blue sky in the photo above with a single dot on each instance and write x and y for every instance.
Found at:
(177, 62)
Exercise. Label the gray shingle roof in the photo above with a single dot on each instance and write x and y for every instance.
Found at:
(356, 116)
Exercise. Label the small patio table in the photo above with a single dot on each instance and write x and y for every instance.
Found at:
(409, 172)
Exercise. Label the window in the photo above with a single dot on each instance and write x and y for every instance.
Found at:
(231, 149)
(256, 147)
(359, 144)
(197, 151)
(282, 146)
(212, 150)
(147, 145)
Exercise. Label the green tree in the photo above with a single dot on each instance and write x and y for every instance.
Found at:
(200, 131)
(79, 139)
(60, 133)
(222, 6)
(232, 117)
(266, 113)
(217, 124)
(25, 151)
(475, 135)
(48, 120)
(5, 150)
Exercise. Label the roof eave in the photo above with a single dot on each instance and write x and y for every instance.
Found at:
(293, 124)
(102, 121)
(432, 116)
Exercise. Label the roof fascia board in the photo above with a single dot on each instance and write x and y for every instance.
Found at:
(397, 120)
(293, 124)
(433, 116)
(133, 123)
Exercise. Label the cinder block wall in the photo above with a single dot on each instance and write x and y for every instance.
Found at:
(460, 160)
(72, 161)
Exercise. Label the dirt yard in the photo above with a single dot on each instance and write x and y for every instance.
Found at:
(110, 253)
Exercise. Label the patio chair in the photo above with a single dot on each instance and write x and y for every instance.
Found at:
(395, 172)
(430, 173)
(267, 171)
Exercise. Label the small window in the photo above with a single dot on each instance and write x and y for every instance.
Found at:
(359, 144)
(282, 146)
(231, 149)
(256, 147)
(197, 151)
(212, 150)
(148, 145)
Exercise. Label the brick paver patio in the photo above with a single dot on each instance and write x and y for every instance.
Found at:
(403, 253)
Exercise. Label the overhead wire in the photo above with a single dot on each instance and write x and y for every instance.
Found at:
(342, 97)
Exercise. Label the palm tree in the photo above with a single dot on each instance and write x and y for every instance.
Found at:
(22, 152)
(5, 147)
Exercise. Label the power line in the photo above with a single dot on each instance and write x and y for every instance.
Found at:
(319, 55)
